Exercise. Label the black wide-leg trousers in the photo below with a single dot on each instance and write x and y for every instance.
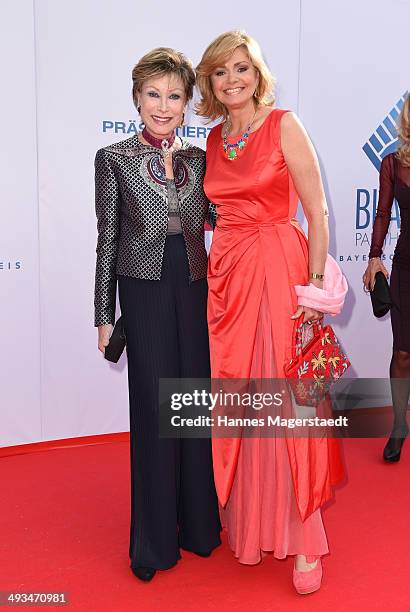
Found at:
(173, 499)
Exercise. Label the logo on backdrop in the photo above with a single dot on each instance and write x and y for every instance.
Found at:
(381, 142)
(9, 265)
(132, 127)
(384, 139)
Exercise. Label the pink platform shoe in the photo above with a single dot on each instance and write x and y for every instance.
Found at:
(308, 582)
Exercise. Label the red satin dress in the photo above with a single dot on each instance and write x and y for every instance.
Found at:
(271, 488)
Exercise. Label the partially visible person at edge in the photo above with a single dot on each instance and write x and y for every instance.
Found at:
(259, 159)
(395, 183)
(151, 209)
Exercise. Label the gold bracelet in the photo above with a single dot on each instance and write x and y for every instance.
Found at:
(317, 276)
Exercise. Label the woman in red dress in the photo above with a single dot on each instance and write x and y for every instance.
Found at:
(259, 160)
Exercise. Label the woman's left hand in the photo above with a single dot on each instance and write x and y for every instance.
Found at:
(311, 314)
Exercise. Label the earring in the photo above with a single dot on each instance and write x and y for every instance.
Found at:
(255, 93)
(182, 120)
(139, 108)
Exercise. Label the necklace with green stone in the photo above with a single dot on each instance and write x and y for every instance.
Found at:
(231, 150)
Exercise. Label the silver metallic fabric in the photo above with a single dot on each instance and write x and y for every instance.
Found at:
(132, 215)
(174, 218)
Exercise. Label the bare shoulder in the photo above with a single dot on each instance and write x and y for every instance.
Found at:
(262, 114)
(265, 111)
(291, 124)
(293, 136)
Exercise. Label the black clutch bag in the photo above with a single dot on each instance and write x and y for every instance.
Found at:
(116, 343)
(380, 296)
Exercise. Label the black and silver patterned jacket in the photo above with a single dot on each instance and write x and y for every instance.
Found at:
(132, 215)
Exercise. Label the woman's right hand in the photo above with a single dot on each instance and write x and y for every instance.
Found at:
(104, 333)
(375, 265)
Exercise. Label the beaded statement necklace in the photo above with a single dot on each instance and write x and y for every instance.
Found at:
(164, 144)
(231, 150)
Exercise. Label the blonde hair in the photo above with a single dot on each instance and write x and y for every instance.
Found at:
(159, 62)
(403, 131)
(215, 55)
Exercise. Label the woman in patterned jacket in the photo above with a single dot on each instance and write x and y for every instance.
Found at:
(151, 209)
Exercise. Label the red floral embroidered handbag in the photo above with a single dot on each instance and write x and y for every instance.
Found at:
(317, 362)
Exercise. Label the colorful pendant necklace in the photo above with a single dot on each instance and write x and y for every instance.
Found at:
(231, 150)
(165, 144)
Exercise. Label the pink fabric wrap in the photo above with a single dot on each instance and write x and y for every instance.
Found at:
(331, 298)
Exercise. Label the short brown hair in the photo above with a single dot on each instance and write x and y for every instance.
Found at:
(159, 62)
(216, 54)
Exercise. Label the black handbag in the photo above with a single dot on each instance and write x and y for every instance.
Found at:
(380, 296)
(116, 343)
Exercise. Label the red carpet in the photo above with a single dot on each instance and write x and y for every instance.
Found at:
(64, 527)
